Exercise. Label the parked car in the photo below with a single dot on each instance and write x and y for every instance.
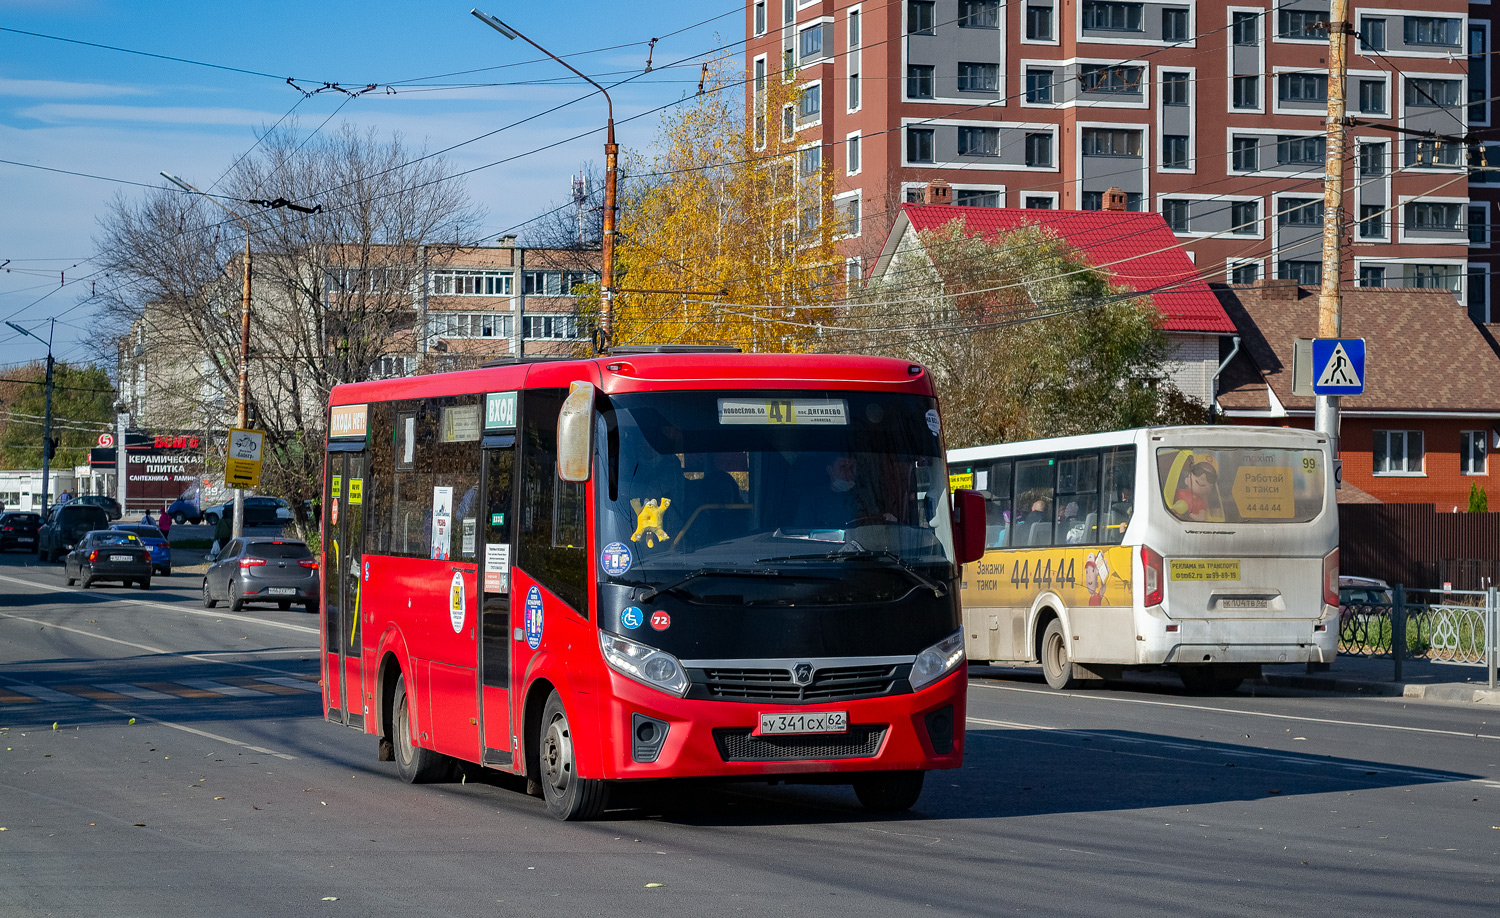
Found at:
(259, 511)
(155, 542)
(18, 530)
(262, 570)
(1362, 590)
(109, 554)
(185, 510)
(65, 527)
(110, 505)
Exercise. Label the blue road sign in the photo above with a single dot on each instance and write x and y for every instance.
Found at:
(1338, 366)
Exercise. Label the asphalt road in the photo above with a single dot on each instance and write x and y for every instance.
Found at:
(229, 795)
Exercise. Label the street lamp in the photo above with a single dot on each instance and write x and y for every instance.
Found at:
(243, 418)
(47, 421)
(611, 156)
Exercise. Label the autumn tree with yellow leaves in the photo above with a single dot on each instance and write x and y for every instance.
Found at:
(726, 234)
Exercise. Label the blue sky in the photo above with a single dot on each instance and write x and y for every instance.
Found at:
(126, 116)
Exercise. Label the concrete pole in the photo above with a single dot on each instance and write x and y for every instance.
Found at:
(1330, 299)
(243, 418)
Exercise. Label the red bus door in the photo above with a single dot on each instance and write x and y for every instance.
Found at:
(494, 558)
(341, 585)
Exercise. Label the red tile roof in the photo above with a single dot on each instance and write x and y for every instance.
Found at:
(1138, 250)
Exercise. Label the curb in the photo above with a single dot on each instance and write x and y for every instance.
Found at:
(1447, 693)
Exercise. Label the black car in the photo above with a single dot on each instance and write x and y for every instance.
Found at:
(262, 570)
(109, 554)
(65, 527)
(109, 504)
(18, 530)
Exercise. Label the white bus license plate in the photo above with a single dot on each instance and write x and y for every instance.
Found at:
(804, 722)
(282, 591)
(121, 558)
(1244, 603)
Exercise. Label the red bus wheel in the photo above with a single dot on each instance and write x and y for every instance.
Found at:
(568, 796)
(889, 791)
(415, 764)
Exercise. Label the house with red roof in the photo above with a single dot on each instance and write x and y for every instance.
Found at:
(1137, 250)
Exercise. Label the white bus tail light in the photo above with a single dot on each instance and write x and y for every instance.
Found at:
(1154, 567)
(1331, 578)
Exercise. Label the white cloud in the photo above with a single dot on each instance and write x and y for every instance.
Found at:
(66, 113)
(61, 89)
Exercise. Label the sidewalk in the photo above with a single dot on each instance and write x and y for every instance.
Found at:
(1421, 680)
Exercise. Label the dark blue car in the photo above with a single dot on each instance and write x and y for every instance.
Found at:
(156, 545)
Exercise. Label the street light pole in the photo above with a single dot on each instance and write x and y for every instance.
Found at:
(242, 419)
(47, 419)
(611, 160)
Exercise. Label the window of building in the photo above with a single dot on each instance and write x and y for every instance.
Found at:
(810, 161)
(1434, 277)
(850, 213)
(760, 17)
(919, 81)
(920, 17)
(366, 280)
(1433, 93)
(1038, 22)
(810, 42)
(1372, 221)
(1300, 150)
(1471, 452)
(1111, 16)
(556, 283)
(1372, 275)
(1431, 30)
(1371, 159)
(1175, 86)
(1299, 212)
(1244, 217)
(1372, 34)
(854, 87)
(1479, 224)
(1246, 28)
(469, 324)
(470, 283)
(810, 102)
(1479, 72)
(1110, 142)
(978, 141)
(1174, 151)
(979, 14)
(1372, 97)
(1302, 25)
(1398, 452)
(974, 197)
(1037, 202)
(1177, 213)
(760, 95)
(1245, 154)
(788, 11)
(1435, 153)
(552, 327)
(1477, 292)
(854, 21)
(1302, 87)
(1305, 273)
(1245, 273)
(1433, 216)
(788, 122)
(1109, 78)
(1174, 24)
(919, 147)
(913, 195)
(1247, 92)
(978, 77)
(1038, 85)
(1039, 149)
(851, 154)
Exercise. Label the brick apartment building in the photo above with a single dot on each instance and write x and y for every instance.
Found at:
(1210, 113)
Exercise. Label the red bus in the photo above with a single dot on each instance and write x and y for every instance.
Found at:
(649, 565)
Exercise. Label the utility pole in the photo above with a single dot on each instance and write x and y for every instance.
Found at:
(1330, 298)
(47, 446)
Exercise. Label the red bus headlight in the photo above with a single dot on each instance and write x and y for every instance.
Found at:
(1154, 567)
(646, 665)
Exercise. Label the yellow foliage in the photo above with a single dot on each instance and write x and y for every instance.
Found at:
(734, 244)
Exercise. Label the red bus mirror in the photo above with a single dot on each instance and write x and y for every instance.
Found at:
(968, 525)
(575, 425)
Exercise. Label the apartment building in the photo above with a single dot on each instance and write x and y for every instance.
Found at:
(1209, 112)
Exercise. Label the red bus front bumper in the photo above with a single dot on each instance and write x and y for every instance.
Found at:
(713, 738)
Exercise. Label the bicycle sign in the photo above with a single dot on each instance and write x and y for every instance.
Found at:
(242, 463)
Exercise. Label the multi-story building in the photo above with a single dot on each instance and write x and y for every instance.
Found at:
(1208, 112)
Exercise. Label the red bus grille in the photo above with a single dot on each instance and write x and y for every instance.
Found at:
(833, 683)
(861, 742)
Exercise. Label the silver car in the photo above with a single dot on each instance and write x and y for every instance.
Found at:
(262, 570)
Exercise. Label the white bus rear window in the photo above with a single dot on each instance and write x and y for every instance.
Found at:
(1239, 485)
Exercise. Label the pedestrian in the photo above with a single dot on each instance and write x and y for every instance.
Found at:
(223, 529)
(146, 519)
(165, 522)
(64, 497)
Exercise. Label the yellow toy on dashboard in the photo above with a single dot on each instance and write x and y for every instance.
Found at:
(648, 519)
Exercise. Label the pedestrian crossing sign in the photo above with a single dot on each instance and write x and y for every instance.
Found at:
(1338, 366)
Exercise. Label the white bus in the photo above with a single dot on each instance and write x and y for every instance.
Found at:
(1207, 550)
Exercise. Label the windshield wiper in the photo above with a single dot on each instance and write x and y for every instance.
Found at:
(867, 554)
(706, 572)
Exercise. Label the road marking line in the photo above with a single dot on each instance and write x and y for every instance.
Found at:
(221, 688)
(1079, 696)
(291, 682)
(268, 687)
(182, 609)
(92, 692)
(139, 693)
(42, 692)
(180, 691)
(13, 698)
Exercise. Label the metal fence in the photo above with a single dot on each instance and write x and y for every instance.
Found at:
(1456, 626)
